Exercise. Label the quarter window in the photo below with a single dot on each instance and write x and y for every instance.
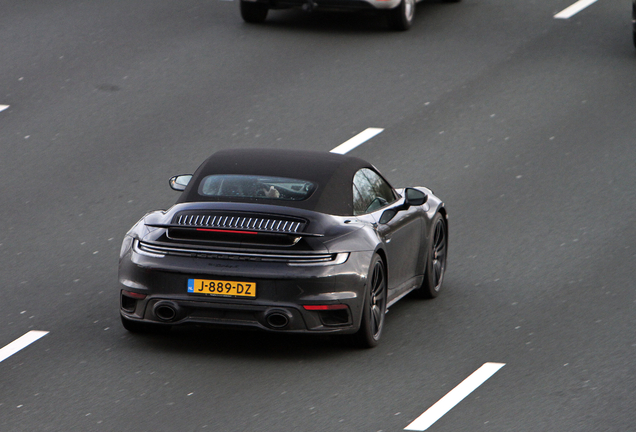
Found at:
(370, 192)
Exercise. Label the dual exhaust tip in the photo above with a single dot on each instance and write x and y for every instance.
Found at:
(168, 311)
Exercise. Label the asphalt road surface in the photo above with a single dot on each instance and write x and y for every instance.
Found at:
(524, 124)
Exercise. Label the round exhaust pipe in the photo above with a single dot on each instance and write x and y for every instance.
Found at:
(277, 320)
(166, 311)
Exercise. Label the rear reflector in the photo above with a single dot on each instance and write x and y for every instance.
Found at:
(133, 295)
(325, 307)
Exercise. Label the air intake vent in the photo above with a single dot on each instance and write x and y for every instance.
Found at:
(239, 221)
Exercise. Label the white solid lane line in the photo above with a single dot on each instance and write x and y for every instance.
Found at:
(3, 107)
(20, 343)
(454, 397)
(354, 142)
(574, 9)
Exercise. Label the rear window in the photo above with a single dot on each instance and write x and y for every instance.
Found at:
(250, 186)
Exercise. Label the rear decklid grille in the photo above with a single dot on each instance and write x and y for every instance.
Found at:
(239, 221)
(236, 228)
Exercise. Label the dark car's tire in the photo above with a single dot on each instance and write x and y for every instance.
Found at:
(253, 12)
(142, 327)
(451, 1)
(400, 18)
(374, 306)
(436, 261)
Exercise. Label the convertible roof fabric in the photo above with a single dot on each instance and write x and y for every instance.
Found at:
(333, 173)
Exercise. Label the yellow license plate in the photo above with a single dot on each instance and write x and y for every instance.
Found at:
(222, 288)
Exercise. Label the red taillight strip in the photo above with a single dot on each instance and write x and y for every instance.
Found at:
(133, 295)
(325, 307)
(226, 231)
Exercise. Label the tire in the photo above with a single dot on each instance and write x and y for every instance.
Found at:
(451, 1)
(374, 306)
(401, 17)
(436, 260)
(253, 12)
(142, 327)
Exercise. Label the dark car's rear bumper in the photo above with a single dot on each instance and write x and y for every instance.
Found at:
(282, 292)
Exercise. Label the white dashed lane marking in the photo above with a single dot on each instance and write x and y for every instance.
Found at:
(454, 397)
(574, 9)
(354, 142)
(3, 107)
(20, 343)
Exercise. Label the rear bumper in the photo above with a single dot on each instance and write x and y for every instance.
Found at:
(159, 293)
(278, 317)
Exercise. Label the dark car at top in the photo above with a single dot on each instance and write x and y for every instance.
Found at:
(285, 241)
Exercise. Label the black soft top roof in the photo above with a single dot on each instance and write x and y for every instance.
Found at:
(333, 173)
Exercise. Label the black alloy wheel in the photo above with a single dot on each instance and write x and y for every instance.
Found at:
(401, 17)
(253, 12)
(368, 336)
(436, 262)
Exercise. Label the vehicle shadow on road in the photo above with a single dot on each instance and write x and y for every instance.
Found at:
(341, 22)
(211, 341)
(360, 22)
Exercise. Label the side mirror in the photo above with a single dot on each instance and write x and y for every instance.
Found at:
(180, 182)
(414, 197)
